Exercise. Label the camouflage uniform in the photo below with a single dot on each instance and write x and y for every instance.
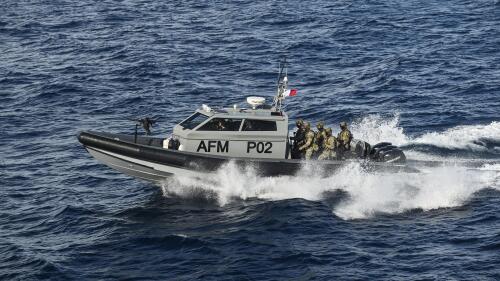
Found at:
(308, 146)
(319, 138)
(344, 139)
(329, 146)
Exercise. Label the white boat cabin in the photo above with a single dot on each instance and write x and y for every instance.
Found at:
(258, 132)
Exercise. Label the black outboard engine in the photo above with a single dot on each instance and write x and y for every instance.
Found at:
(386, 152)
(381, 152)
(360, 149)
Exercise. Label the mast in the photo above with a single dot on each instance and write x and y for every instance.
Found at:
(282, 85)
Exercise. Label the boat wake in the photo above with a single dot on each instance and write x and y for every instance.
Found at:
(467, 141)
(449, 184)
(367, 193)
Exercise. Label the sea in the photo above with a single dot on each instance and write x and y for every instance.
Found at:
(424, 75)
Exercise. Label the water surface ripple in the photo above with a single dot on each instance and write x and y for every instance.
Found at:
(422, 74)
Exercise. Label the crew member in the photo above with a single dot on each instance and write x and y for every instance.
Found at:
(308, 147)
(328, 146)
(220, 126)
(344, 139)
(319, 138)
(298, 139)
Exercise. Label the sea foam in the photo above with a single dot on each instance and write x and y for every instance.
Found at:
(368, 193)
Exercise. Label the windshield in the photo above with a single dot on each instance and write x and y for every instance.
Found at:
(221, 124)
(193, 121)
(259, 125)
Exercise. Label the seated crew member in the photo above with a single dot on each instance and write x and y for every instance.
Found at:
(220, 126)
(328, 146)
(344, 140)
(307, 148)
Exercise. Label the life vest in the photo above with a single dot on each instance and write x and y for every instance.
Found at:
(345, 138)
(319, 139)
(330, 143)
(309, 137)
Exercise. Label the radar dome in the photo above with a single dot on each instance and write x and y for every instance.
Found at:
(256, 101)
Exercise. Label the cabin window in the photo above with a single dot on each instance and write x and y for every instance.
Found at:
(259, 125)
(221, 124)
(193, 121)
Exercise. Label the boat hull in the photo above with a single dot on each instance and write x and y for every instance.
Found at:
(144, 158)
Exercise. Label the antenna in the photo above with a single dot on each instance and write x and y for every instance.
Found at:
(282, 84)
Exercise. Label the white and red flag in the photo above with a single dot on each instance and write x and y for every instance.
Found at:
(290, 93)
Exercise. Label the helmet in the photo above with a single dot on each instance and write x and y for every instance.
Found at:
(343, 124)
(299, 123)
(320, 125)
(328, 131)
(307, 125)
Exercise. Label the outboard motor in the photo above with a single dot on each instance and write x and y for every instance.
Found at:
(386, 152)
(360, 149)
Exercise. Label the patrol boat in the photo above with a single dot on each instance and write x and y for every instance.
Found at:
(256, 137)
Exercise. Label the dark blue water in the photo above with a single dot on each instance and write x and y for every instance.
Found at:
(422, 74)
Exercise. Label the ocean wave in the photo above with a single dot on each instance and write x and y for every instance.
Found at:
(69, 67)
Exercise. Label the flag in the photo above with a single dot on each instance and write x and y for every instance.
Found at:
(290, 93)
